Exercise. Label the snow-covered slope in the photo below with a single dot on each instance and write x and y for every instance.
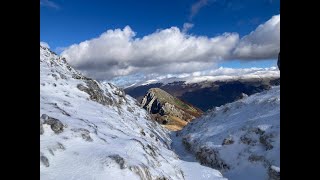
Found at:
(242, 139)
(90, 131)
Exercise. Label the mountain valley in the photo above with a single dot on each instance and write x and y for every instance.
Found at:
(93, 130)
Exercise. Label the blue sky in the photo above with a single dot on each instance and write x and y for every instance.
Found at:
(79, 20)
(67, 22)
(247, 64)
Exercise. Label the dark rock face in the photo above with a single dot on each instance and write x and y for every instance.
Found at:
(119, 160)
(158, 101)
(79, 76)
(265, 140)
(56, 125)
(228, 141)
(44, 161)
(207, 156)
(216, 162)
(95, 92)
(256, 158)
(248, 140)
(61, 146)
(85, 134)
(278, 63)
(152, 104)
(168, 110)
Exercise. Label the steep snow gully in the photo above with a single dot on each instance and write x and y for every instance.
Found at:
(91, 130)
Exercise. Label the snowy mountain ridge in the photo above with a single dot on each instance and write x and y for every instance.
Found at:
(241, 139)
(90, 130)
(220, 74)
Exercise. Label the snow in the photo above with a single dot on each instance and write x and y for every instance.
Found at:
(257, 75)
(264, 127)
(121, 129)
(277, 169)
(191, 171)
(151, 81)
(253, 123)
(220, 74)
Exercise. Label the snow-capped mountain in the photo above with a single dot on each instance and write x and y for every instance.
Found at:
(241, 139)
(95, 131)
(220, 74)
(210, 93)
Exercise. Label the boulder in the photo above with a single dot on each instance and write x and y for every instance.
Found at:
(56, 125)
(119, 160)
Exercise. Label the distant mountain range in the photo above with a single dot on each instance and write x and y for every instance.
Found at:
(208, 94)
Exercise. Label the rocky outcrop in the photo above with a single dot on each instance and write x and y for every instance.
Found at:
(167, 109)
(55, 124)
(228, 141)
(119, 160)
(96, 93)
(44, 160)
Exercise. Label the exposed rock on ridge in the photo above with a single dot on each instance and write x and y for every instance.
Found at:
(168, 110)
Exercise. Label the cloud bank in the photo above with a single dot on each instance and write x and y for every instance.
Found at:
(221, 73)
(118, 52)
(262, 43)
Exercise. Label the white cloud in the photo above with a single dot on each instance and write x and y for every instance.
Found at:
(262, 43)
(195, 8)
(186, 27)
(118, 52)
(169, 51)
(44, 44)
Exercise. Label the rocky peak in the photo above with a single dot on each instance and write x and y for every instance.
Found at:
(168, 110)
